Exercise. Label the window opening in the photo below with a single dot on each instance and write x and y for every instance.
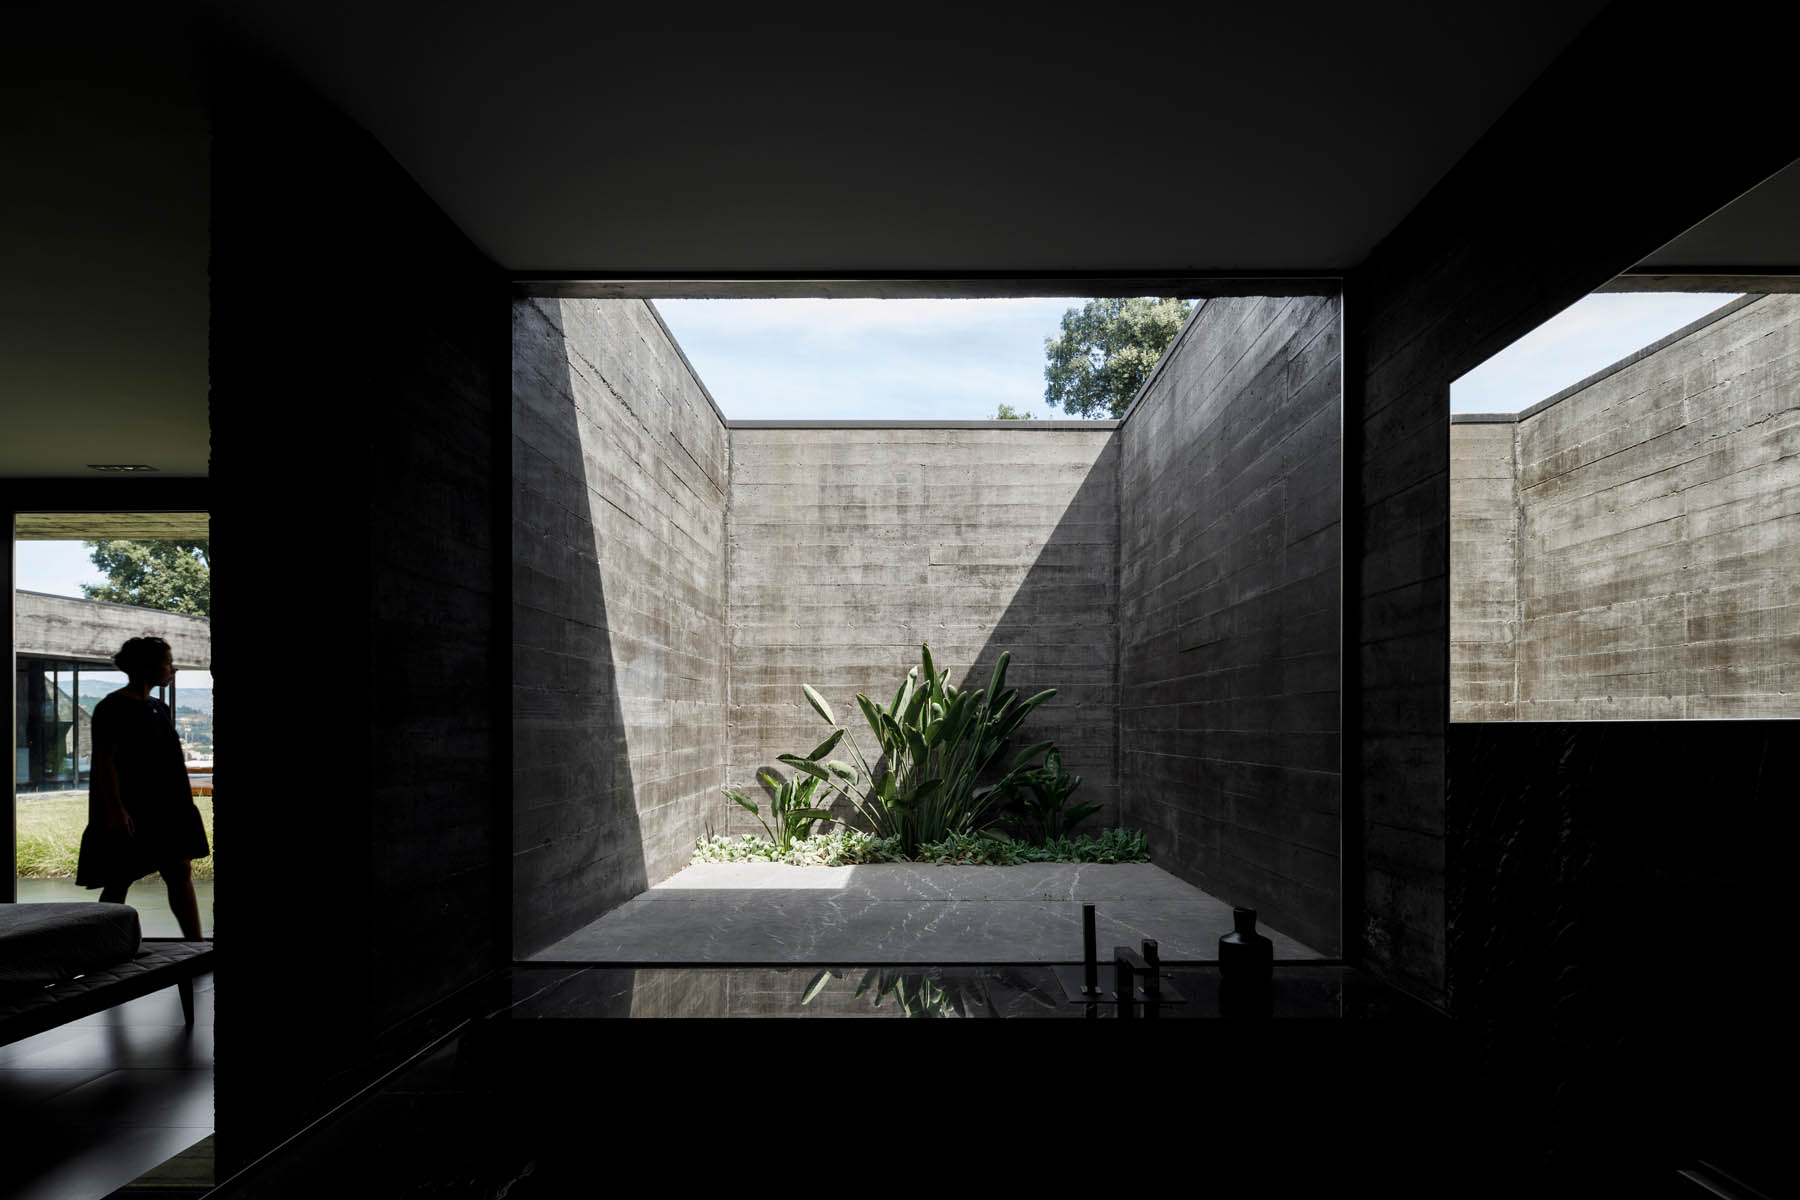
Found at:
(1623, 530)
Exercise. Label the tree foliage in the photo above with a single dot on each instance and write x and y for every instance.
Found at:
(1106, 350)
(173, 576)
(1006, 412)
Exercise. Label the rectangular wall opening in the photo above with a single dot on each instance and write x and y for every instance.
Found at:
(1624, 495)
(1625, 514)
(155, 582)
(1174, 574)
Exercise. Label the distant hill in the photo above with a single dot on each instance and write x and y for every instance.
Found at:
(198, 699)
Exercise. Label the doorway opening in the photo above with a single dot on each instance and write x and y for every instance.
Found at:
(84, 583)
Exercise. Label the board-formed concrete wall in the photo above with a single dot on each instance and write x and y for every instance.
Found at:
(93, 630)
(1484, 570)
(850, 546)
(1657, 536)
(1230, 498)
(619, 663)
(1196, 545)
(1479, 263)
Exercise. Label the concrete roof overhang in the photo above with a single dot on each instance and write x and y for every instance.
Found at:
(91, 631)
(117, 526)
(1219, 148)
(574, 139)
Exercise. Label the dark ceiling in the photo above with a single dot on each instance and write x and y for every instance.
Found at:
(576, 138)
(582, 140)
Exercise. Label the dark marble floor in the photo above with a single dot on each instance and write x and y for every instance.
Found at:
(1018, 990)
(768, 913)
(1350, 1088)
(90, 1106)
(545, 1094)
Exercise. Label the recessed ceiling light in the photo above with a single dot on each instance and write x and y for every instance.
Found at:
(120, 467)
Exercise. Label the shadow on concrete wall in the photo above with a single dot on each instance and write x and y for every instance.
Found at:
(1062, 631)
(577, 845)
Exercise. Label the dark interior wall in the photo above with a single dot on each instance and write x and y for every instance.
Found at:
(1617, 893)
(358, 345)
(1490, 253)
(1229, 558)
(618, 599)
(852, 546)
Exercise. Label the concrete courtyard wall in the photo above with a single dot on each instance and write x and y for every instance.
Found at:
(850, 545)
(619, 663)
(1657, 536)
(1230, 556)
(667, 616)
(1484, 569)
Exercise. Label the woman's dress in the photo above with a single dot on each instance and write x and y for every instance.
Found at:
(154, 787)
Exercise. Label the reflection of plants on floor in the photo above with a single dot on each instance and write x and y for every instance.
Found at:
(940, 789)
(917, 995)
(932, 993)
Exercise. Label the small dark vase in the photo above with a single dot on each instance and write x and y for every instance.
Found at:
(1246, 968)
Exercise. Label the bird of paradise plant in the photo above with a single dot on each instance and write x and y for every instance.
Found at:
(936, 743)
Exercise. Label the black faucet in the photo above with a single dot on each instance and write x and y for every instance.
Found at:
(1137, 976)
(1137, 973)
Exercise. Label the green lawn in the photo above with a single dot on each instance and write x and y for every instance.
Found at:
(50, 828)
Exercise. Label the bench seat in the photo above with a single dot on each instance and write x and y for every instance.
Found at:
(27, 1009)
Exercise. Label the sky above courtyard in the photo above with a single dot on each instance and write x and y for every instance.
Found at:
(960, 359)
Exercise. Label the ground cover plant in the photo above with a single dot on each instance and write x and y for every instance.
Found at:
(854, 847)
(49, 834)
(937, 791)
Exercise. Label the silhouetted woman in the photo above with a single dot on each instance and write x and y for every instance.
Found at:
(141, 814)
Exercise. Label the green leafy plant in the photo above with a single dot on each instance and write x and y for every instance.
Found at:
(1110, 846)
(1046, 800)
(986, 849)
(791, 806)
(937, 744)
